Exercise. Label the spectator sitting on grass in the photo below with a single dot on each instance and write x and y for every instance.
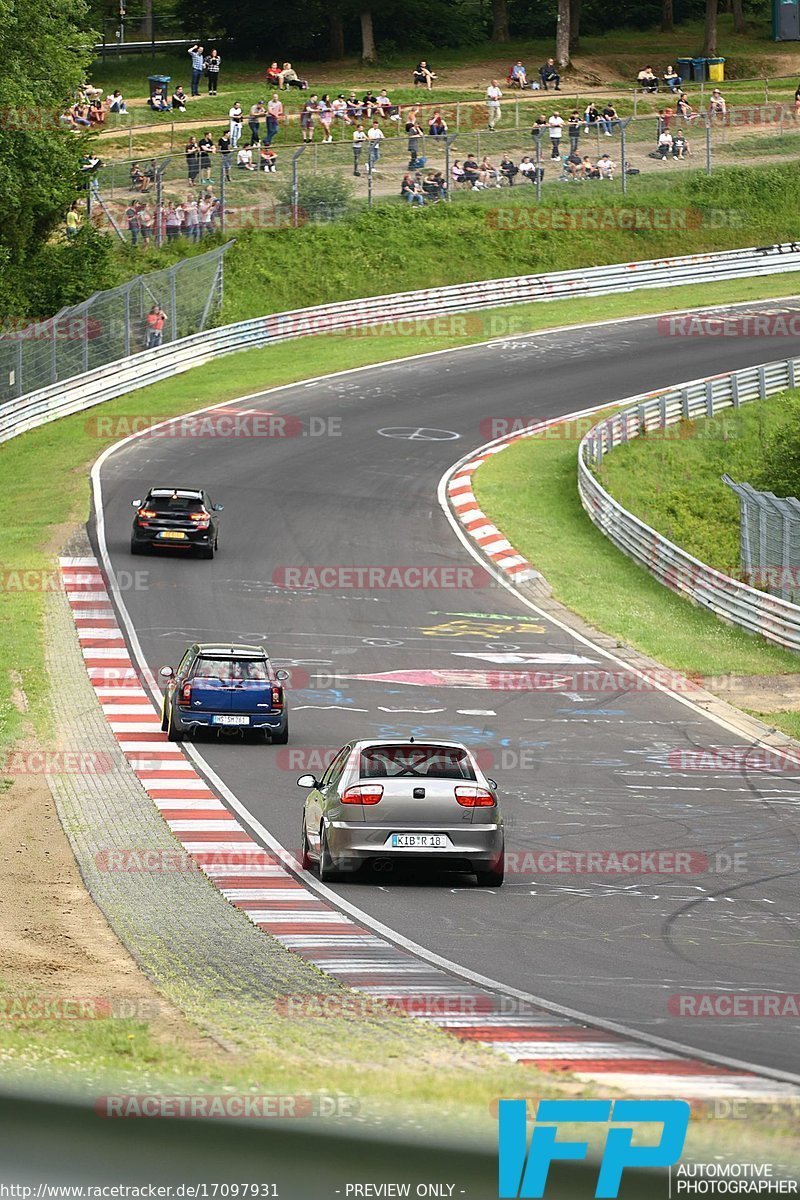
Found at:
(647, 80)
(437, 126)
(685, 111)
(717, 105)
(518, 74)
(116, 104)
(423, 75)
(526, 168)
(97, 113)
(590, 171)
(609, 119)
(549, 74)
(139, 181)
(274, 74)
(489, 172)
(408, 189)
(591, 116)
(472, 173)
(671, 78)
(370, 102)
(606, 167)
(574, 165)
(269, 159)
(291, 79)
(80, 116)
(680, 146)
(508, 169)
(179, 99)
(339, 109)
(665, 145)
(388, 110)
(457, 172)
(158, 101)
(435, 185)
(244, 159)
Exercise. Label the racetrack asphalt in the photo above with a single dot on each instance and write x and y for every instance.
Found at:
(577, 771)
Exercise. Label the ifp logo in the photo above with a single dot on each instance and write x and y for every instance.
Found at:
(523, 1171)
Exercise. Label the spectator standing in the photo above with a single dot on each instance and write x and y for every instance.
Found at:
(207, 148)
(359, 137)
(192, 153)
(235, 115)
(325, 110)
(374, 137)
(307, 119)
(274, 118)
(196, 55)
(212, 65)
(155, 326)
(556, 126)
(574, 130)
(493, 99)
(414, 132)
(145, 223)
(205, 211)
(257, 111)
(226, 154)
(73, 220)
(172, 222)
(192, 218)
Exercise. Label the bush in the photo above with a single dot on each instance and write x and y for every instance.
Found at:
(322, 197)
(780, 469)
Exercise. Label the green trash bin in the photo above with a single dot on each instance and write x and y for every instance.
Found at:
(699, 70)
(684, 69)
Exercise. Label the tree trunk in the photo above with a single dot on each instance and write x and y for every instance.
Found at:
(667, 16)
(499, 20)
(335, 33)
(575, 9)
(562, 33)
(368, 52)
(738, 17)
(710, 46)
(146, 27)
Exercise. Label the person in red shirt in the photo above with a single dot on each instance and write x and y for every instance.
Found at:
(155, 326)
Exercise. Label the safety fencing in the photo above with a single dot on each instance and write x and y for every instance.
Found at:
(109, 326)
(93, 387)
(730, 599)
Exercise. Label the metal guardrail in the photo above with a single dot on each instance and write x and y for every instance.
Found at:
(734, 601)
(107, 382)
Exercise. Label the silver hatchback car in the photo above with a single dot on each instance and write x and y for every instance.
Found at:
(428, 802)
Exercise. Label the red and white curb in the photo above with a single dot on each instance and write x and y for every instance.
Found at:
(273, 898)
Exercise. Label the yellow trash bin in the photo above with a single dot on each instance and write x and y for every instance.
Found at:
(716, 69)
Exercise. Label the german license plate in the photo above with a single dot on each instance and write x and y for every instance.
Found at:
(420, 841)
(229, 719)
(176, 535)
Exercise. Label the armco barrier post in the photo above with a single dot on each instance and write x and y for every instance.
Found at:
(624, 164)
(538, 168)
(708, 145)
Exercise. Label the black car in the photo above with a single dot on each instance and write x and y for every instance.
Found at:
(176, 518)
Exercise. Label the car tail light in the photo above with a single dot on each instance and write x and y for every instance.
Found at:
(368, 793)
(475, 797)
(186, 694)
(277, 697)
(146, 513)
(201, 519)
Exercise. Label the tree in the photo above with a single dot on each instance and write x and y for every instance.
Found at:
(710, 46)
(575, 9)
(738, 16)
(499, 20)
(667, 17)
(335, 33)
(368, 52)
(562, 33)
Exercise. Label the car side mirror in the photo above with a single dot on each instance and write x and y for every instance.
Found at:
(166, 672)
(491, 783)
(136, 504)
(307, 781)
(218, 507)
(282, 674)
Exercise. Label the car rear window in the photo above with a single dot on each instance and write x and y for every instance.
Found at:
(175, 504)
(230, 669)
(426, 762)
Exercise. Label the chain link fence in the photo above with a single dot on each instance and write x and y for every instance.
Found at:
(110, 325)
(769, 540)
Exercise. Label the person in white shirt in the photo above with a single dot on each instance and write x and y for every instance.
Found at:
(493, 98)
(244, 159)
(665, 144)
(556, 125)
(235, 114)
(359, 137)
(717, 105)
(606, 167)
(374, 137)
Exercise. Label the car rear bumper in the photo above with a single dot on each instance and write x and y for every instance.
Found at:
(475, 846)
(194, 537)
(205, 720)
